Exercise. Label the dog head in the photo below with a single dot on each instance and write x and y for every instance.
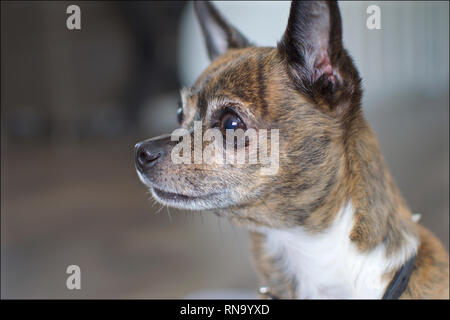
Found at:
(306, 89)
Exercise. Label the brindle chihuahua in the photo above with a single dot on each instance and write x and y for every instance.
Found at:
(331, 223)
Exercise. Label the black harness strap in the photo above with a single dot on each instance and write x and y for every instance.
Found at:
(400, 281)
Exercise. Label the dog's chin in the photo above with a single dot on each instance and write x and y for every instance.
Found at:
(208, 201)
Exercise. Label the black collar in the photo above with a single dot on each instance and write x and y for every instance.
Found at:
(400, 281)
(394, 290)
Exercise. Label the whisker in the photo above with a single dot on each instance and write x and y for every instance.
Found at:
(170, 216)
(159, 210)
(220, 227)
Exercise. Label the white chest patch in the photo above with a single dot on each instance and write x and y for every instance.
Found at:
(329, 266)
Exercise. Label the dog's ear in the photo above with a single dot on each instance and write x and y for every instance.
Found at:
(312, 46)
(219, 35)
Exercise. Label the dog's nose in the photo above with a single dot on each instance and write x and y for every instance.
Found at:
(147, 154)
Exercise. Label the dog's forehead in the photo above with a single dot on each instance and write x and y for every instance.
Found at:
(240, 74)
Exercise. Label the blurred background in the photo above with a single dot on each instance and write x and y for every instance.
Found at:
(74, 103)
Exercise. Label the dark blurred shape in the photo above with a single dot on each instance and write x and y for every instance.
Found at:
(62, 84)
(154, 28)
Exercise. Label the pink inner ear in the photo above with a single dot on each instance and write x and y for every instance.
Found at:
(323, 66)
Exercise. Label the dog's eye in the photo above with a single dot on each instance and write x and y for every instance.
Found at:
(180, 114)
(231, 121)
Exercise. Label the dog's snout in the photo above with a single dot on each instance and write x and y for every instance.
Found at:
(147, 154)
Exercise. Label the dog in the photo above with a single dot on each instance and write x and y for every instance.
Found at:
(330, 222)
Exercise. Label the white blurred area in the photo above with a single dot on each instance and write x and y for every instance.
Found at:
(262, 22)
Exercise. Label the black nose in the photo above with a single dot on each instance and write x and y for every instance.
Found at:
(147, 154)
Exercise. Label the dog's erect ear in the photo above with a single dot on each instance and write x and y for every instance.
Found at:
(312, 44)
(219, 35)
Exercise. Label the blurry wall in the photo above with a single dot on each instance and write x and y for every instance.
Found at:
(62, 85)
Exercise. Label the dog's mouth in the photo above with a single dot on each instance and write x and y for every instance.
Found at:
(171, 196)
(183, 201)
(204, 201)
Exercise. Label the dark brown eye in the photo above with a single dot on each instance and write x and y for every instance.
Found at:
(231, 121)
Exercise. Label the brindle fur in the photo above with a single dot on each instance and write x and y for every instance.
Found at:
(328, 152)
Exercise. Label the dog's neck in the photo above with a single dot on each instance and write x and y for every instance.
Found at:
(329, 265)
(381, 216)
(371, 235)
